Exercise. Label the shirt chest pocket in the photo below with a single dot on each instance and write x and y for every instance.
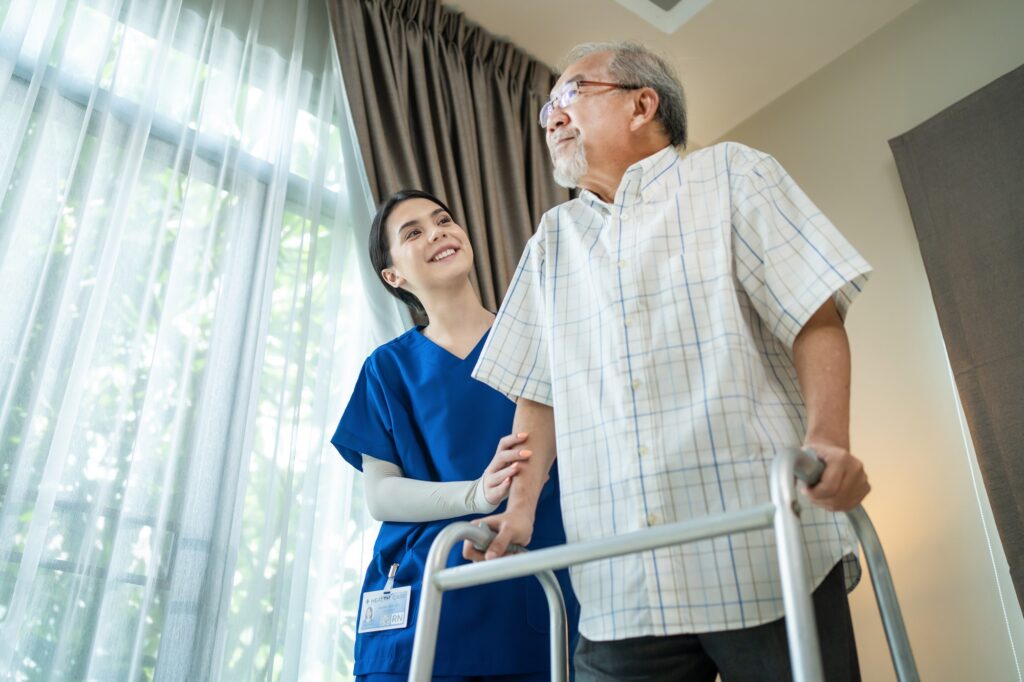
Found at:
(692, 292)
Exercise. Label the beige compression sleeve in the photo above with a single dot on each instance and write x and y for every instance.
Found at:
(391, 496)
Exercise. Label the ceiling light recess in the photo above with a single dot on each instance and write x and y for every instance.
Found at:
(665, 15)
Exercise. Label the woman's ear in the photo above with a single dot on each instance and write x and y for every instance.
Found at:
(392, 277)
(645, 106)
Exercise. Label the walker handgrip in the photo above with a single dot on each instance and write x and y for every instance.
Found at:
(809, 467)
(482, 536)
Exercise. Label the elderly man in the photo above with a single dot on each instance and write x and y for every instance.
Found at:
(670, 330)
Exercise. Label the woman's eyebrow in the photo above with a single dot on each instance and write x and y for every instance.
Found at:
(416, 221)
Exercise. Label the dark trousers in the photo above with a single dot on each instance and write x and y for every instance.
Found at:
(757, 654)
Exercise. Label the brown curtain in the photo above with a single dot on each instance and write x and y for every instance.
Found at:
(441, 105)
(963, 174)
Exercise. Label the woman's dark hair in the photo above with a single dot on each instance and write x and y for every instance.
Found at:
(380, 249)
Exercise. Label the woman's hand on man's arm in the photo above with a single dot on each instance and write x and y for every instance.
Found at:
(515, 525)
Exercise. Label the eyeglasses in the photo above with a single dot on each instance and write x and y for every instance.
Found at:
(566, 95)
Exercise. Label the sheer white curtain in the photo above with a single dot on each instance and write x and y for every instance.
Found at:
(184, 306)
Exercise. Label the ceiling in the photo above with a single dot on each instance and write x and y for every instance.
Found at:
(734, 56)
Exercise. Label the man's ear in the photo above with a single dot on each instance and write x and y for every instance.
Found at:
(392, 277)
(645, 106)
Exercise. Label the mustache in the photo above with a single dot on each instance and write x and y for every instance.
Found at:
(558, 137)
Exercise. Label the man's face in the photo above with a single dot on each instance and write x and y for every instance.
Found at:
(579, 134)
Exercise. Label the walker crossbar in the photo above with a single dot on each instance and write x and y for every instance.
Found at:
(782, 513)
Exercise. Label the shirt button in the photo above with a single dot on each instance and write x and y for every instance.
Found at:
(642, 450)
(625, 215)
(628, 321)
(636, 384)
(621, 264)
(652, 519)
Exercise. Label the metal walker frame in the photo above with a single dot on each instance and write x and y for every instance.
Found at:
(782, 513)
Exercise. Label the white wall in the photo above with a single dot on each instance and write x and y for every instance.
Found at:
(831, 133)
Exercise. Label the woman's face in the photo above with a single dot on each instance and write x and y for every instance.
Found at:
(428, 249)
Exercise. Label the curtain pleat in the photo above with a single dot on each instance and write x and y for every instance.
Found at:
(441, 105)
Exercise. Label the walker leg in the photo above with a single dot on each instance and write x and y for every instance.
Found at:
(801, 628)
(558, 624)
(885, 595)
(424, 643)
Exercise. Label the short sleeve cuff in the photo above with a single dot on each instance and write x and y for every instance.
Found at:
(511, 384)
(351, 446)
(842, 284)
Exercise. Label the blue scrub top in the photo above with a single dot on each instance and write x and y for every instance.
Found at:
(416, 405)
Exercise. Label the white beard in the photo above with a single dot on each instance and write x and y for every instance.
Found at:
(571, 166)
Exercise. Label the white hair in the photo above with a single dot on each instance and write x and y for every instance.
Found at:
(635, 65)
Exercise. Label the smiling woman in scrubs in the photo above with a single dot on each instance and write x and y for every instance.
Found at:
(424, 434)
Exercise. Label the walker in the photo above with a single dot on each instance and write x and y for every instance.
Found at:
(783, 512)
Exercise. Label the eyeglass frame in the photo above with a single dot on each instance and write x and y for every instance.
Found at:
(549, 107)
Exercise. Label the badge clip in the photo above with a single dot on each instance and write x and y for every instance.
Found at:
(390, 584)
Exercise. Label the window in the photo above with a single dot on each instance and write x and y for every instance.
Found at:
(180, 237)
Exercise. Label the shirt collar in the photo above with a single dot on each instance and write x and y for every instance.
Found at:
(638, 179)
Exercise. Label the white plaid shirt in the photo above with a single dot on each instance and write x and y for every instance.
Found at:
(660, 328)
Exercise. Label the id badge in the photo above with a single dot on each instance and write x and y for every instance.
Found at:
(385, 610)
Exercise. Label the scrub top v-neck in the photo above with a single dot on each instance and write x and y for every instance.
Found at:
(416, 405)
